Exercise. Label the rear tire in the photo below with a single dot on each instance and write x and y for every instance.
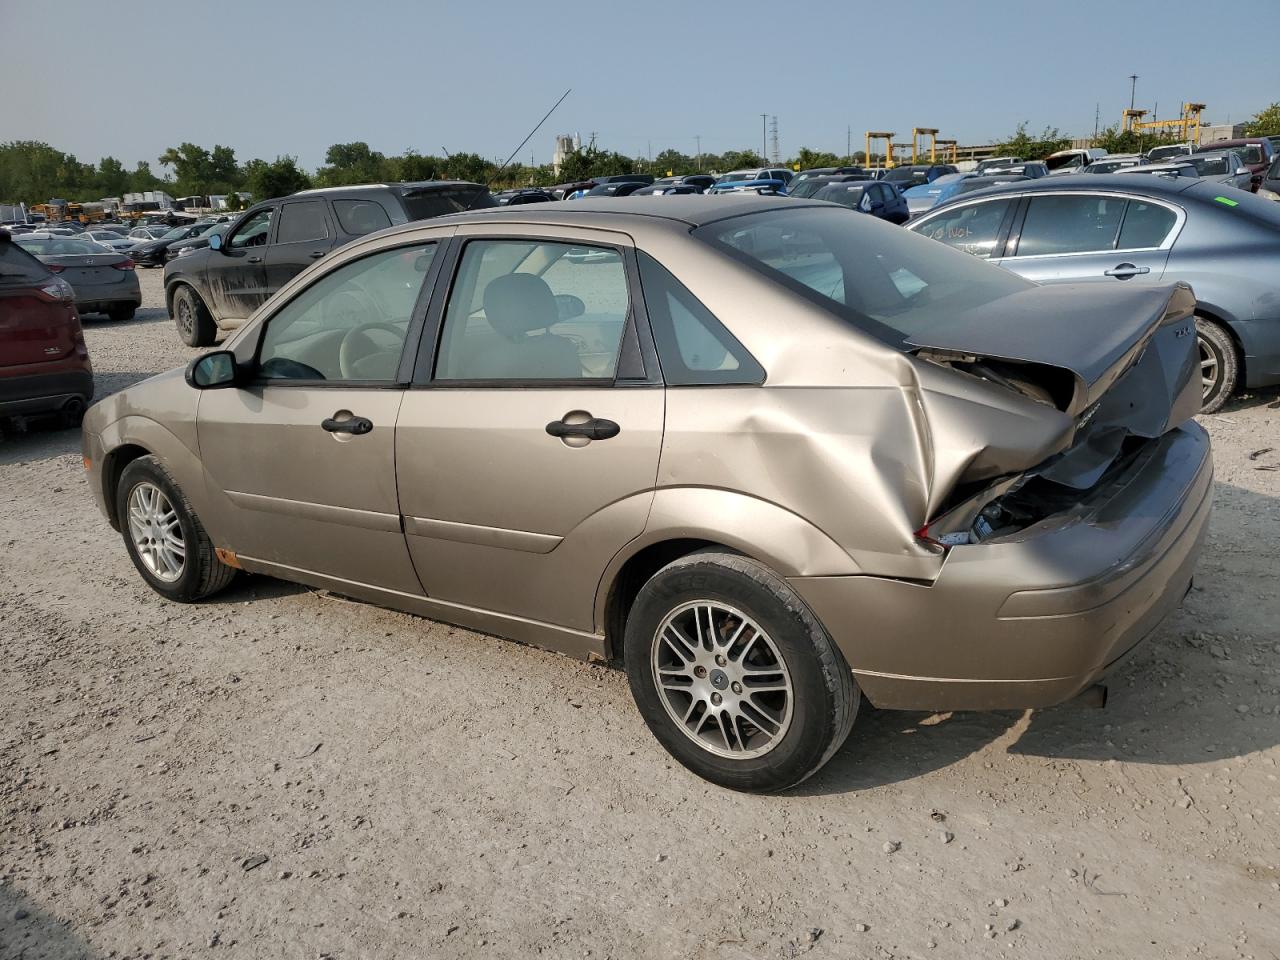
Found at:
(165, 539)
(195, 323)
(123, 312)
(747, 628)
(1219, 364)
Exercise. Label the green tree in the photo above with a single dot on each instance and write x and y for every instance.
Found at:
(279, 178)
(1023, 144)
(411, 166)
(142, 179)
(348, 163)
(739, 160)
(112, 178)
(224, 172)
(192, 166)
(235, 202)
(674, 163)
(1114, 140)
(1265, 123)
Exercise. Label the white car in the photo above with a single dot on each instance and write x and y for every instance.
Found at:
(108, 238)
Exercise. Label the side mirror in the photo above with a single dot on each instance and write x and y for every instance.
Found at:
(215, 242)
(1241, 171)
(213, 371)
(569, 306)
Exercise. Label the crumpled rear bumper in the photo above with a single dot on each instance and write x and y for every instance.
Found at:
(1032, 619)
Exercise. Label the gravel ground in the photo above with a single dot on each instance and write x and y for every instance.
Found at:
(278, 773)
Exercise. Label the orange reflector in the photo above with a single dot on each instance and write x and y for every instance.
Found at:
(228, 557)
(87, 463)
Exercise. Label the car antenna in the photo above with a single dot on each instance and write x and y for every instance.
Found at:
(524, 141)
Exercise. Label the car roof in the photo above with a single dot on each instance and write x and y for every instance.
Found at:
(1099, 182)
(681, 211)
(407, 185)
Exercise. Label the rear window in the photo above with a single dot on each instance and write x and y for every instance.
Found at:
(359, 217)
(1238, 203)
(425, 204)
(19, 267)
(884, 280)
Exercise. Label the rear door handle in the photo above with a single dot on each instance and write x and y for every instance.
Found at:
(592, 429)
(317, 254)
(358, 426)
(1123, 271)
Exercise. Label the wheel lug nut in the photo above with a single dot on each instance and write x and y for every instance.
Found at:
(736, 687)
(716, 698)
(699, 672)
(720, 660)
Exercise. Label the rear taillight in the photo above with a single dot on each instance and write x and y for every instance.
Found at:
(55, 267)
(58, 290)
(126, 265)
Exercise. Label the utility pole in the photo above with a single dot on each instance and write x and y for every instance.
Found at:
(764, 138)
(1097, 118)
(848, 144)
(773, 127)
(1133, 89)
(698, 140)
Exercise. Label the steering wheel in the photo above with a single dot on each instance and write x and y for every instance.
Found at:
(357, 346)
(349, 307)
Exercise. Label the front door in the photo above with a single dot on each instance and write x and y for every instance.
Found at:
(1092, 237)
(237, 273)
(301, 460)
(527, 456)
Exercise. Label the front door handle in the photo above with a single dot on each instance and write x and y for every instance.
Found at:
(589, 429)
(254, 260)
(1123, 271)
(316, 254)
(357, 426)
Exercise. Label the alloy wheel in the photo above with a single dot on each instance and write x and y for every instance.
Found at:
(722, 680)
(186, 319)
(156, 532)
(1210, 368)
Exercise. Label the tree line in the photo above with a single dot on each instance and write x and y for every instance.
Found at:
(34, 172)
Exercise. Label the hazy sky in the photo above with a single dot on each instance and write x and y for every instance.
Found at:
(270, 77)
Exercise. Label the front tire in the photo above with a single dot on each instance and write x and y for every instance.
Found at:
(165, 539)
(1219, 365)
(195, 323)
(734, 675)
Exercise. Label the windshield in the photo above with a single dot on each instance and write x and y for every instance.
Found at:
(1160, 153)
(898, 174)
(807, 188)
(1210, 166)
(888, 282)
(995, 162)
(1109, 166)
(737, 177)
(1065, 162)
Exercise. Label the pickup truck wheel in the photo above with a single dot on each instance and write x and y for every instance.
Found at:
(734, 675)
(165, 539)
(195, 323)
(1219, 366)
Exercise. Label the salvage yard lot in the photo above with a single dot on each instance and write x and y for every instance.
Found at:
(419, 790)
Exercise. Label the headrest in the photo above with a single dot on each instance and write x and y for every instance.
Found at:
(519, 302)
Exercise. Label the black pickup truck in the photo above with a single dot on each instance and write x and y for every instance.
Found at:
(218, 287)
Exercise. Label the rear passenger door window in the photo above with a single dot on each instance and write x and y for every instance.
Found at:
(302, 221)
(1061, 224)
(534, 310)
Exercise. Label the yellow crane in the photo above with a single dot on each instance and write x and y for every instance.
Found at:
(953, 144)
(1188, 121)
(932, 134)
(887, 137)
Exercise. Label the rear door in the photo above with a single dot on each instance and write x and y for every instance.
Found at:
(304, 234)
(527, 451)
(237, 274)
(1095, 237)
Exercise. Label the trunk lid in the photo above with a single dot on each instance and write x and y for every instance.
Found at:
(87, 270)
(1067, 375)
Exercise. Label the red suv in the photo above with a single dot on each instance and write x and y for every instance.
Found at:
(44, 363)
